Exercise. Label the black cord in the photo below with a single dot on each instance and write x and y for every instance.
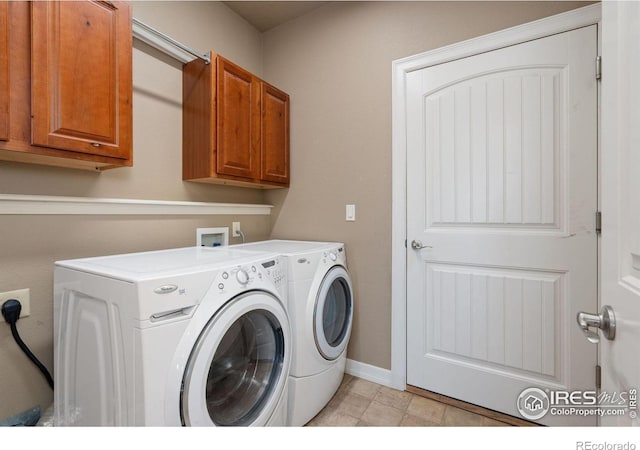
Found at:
(11, 313)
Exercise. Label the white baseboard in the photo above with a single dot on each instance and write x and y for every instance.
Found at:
(369, 372)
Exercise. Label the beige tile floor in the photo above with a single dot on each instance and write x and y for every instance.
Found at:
(360, 402)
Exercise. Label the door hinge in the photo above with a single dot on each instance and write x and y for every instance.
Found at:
(405, 243)
(598, 377)
(598, 222)
(598, 67)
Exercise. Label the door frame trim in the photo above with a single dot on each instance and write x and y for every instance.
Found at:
(578, 18)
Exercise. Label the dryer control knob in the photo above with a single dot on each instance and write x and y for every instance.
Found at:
(333, 256)
(242, 276)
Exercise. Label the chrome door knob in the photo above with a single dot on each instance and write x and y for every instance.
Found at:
(417, 245)
(605, 321)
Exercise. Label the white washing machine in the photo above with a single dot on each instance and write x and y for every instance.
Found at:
(194, 336)
(320, 306)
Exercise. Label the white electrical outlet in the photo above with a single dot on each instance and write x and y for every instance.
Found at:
(235, 226)
(22, 295)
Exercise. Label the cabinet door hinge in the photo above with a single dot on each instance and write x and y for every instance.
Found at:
(598, 377)
(405, 243)
(598, 67)
(598, 222)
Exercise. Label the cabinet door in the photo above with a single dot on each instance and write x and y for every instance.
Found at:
(4, 71)
(81, 76)
(275, 135)
(238, 121)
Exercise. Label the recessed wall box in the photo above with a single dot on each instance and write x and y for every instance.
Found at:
(212, 237)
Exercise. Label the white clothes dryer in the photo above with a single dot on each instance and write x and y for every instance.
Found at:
(320, 307)
(194, 336)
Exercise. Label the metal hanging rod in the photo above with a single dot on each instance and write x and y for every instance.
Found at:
(164, 43)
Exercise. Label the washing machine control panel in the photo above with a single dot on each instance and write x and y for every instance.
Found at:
(242, 276)
(273, 270)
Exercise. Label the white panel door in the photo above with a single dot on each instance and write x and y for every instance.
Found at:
(620, 202)
(502, 185)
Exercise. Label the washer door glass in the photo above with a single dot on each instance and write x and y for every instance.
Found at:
(244, 374)
(244, 368)
(333, 313)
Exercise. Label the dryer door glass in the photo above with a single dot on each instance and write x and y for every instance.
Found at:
(244, 369)
(334, 313)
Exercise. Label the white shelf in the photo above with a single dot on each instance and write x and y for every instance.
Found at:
(12, 204)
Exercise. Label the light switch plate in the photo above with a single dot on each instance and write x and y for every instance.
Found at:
(351, 213)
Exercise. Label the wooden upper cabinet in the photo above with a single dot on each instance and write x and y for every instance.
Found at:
(275, 135)
(238, 121)
(235, 127)
(4, 71)
(81, 77)
(198, 120)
